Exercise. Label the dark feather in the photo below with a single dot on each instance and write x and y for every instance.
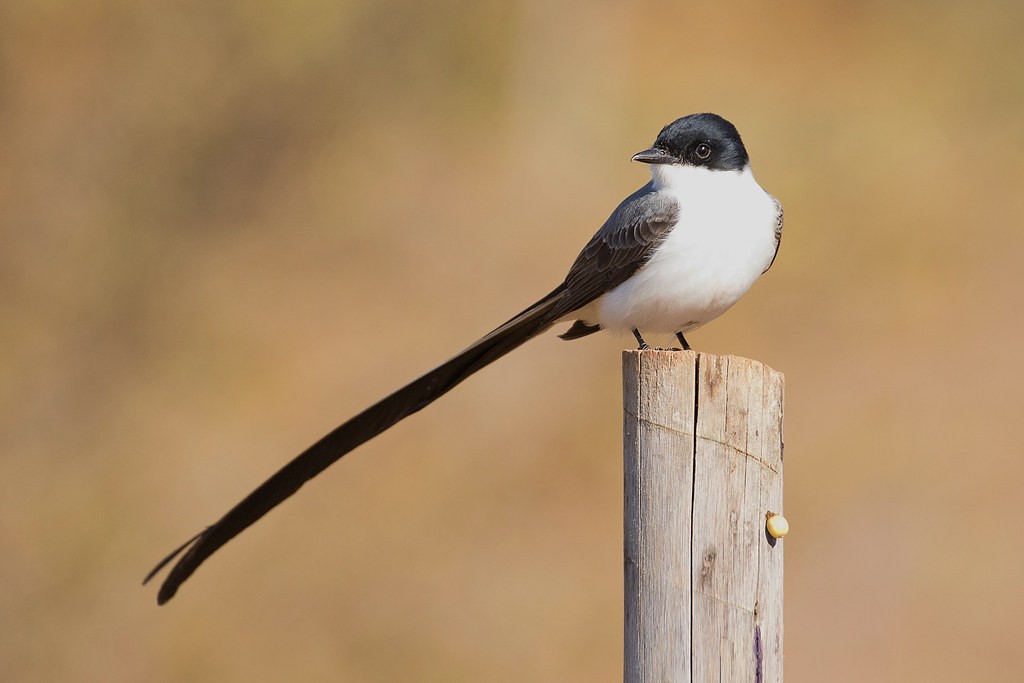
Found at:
(579, 329)
(409, 399)
(622, 245)
(778, 233)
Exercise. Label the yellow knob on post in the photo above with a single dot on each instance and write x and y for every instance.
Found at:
(776, 525)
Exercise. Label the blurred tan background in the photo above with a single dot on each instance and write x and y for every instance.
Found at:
(228, 226)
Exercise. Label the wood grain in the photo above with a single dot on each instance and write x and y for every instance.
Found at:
(702, 468)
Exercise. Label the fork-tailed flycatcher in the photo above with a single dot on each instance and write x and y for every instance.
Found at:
(674, 255)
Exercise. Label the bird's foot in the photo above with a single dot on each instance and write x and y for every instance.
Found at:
(644, 346)
(640, 340)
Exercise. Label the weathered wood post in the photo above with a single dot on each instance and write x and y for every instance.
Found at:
(703, 469)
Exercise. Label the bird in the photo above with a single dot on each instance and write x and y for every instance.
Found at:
(673, 256)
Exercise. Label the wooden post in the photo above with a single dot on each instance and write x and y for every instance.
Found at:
(703, 577)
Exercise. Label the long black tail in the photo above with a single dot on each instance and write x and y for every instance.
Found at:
(380, 416)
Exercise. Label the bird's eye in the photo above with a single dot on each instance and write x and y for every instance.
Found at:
(703, 151)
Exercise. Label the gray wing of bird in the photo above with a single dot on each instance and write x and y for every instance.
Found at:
(621, 247)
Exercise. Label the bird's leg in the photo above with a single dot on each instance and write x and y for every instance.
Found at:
(682, 340)
(640, 340)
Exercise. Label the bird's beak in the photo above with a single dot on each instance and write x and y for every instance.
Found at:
(654, 155)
